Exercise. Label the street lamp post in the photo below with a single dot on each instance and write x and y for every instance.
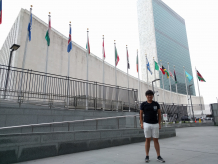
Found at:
(153, 85)
(13, 48)
(191, 99)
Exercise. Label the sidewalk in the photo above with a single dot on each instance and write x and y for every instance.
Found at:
(194, 145)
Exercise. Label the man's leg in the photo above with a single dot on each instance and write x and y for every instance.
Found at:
(147, 146)
(157, 146)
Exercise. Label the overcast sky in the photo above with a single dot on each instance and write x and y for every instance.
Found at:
(117, 20)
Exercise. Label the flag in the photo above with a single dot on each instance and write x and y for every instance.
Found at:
(171, 75)
(117, 59)
(30, 25)
(148, 66)
(0, 11)
(87, 44)
(137, 63)
(47, 36)
(69, 47)
(128, 65)
(165, 70)
(200, 78)
(175, 77)
(156, 66)
(103, 51)
(188, 76)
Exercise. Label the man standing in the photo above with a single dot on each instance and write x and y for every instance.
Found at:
(151, 124)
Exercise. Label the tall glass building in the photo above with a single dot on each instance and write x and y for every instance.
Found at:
(162, 35)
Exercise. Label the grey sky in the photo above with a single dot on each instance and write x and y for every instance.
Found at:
(117, 20)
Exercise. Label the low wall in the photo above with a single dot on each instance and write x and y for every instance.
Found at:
(25, 147)
(12, 116)
(185, 125)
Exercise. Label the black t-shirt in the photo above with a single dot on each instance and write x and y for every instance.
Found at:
(150, 112)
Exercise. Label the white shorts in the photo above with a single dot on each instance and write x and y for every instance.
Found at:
(151, 130)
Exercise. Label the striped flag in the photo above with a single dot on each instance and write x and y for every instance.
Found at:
(47, 36)
(200, 77)
(69, 47)
(103, 50)
(128, 65)
(0, 11)
(137, 63)
(117, 58)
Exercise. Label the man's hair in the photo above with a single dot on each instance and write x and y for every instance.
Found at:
(149, 92)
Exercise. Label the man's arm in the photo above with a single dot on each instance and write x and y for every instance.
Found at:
(159, 118)
(141, 118)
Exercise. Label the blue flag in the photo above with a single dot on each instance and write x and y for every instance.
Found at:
(148, 66)
(30, 26)
(188, 76)
(69, 47)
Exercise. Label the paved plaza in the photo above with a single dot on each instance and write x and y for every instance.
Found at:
(194, 145)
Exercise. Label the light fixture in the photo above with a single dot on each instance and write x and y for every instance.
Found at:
(14, 47)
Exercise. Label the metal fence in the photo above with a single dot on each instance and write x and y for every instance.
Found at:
(27, 85)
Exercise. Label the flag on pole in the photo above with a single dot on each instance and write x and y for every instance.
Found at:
(69, 47)
(87, 45)
(137, 63)
(171, 75)
(188, 76)
(175, 77)
(0, 11)
(128, 65)
(156, 66)
(103, 50)
(47, 36)
(165, 70)
(148, 66)
(117, 59)
(200, 78)
(30, 25)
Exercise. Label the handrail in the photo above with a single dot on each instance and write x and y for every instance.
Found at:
(68, 122)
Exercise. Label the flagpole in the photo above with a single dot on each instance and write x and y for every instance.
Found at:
(186, 90)
(163, 84)
(103, 51)
(46, 65)
(115, 74)
(138, 79)
(25, 50)
(199, 92)
(164, 100)
(26, 45)
(127, 61)
(68, 71)
(146, 69)
(170, 82)
(176, 88)
(87, 70)
(155, 84)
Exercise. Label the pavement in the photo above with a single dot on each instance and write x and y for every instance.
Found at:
(194, 145)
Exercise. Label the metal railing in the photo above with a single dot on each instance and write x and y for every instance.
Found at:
(28, 85)
(70, 125)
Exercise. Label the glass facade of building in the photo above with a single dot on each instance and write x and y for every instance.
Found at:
(172, 45)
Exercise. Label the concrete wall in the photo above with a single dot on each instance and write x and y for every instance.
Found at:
(58, 60)
(24, 147)
(23, 116)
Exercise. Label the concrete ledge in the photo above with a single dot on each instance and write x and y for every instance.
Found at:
(184, 125)
(24, 147)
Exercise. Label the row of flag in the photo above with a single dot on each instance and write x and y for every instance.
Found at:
(117, 58)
